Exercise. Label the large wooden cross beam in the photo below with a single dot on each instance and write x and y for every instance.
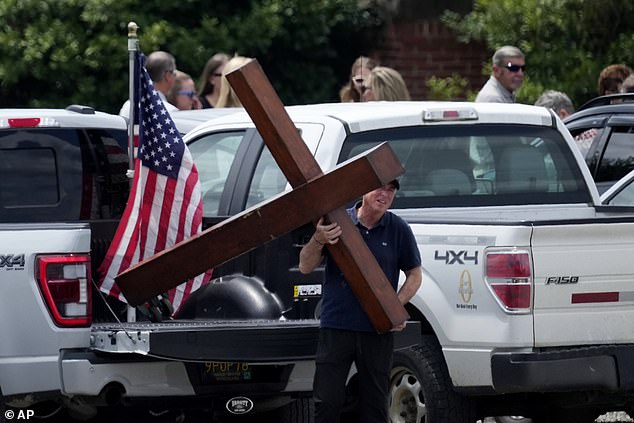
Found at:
(314, 194)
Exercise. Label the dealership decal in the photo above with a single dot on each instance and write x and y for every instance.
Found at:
(465, 289)
(239, 405)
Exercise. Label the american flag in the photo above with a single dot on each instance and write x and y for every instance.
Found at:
(165, 203)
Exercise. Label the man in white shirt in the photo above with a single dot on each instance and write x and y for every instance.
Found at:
(508, 74)
(162, 69)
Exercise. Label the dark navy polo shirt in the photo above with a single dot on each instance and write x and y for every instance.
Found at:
(394, 246)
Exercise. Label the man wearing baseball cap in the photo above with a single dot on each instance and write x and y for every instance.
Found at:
(346, 334)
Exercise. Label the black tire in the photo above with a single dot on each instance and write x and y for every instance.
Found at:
(421, 389)
(299, 411)
(572, 415)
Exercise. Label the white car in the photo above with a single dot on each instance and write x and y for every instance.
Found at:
(186, 120)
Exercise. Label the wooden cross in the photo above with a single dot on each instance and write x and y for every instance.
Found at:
(314, 195)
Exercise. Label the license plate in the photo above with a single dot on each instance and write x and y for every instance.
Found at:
(225, 371)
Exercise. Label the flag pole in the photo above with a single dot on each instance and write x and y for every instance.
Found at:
(133, 47)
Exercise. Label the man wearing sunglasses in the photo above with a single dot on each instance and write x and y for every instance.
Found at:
(508, 74)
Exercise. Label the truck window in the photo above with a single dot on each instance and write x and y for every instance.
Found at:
(105, 184)
(32, 167)
(268, 179)
(62, 175)
(214, 155)
(41, 173)
(478, 165)
(618, 157)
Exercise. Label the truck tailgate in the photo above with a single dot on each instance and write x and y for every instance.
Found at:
(211, 340)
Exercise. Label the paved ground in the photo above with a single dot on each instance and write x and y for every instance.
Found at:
(613, 417)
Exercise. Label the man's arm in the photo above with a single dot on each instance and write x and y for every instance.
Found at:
(312, 253)
(413, 281)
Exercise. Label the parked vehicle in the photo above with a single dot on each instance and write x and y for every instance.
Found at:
(521, 311)
(511, 232)
(65, 188)
(186, 120)
(603, 129)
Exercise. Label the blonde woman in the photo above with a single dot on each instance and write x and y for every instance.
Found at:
(227, 97)
(385, 84)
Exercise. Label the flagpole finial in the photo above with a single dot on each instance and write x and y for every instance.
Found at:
(132, 29)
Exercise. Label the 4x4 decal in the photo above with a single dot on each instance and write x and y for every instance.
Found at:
(456, 257)
(11, 261)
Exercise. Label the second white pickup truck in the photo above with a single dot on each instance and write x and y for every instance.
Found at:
(525, 308)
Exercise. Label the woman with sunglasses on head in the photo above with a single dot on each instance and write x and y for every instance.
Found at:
(509, 67)
(358, 74)
(209, 82)
(183, 94)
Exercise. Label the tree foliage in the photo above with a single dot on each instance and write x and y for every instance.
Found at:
(566, 42)
(60, 52)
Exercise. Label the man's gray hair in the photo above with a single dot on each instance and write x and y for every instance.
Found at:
(158, 63)
(555, 100)
(503, 54)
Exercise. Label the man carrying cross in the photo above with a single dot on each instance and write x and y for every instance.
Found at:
(346, 333)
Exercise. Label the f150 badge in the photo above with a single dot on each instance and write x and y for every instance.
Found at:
(12, 261)
(561, 280)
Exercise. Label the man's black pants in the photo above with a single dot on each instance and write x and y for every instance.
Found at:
(372, 354)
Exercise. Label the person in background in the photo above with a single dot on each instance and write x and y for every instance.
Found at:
(385, 84)
(161, 67)
(628, 85)
(346, 334)
(183, 94)
(227, 97)
(209, 82)
(559, 102)
(610, 82)
(507, 76)
(358, 73)
(611, 78)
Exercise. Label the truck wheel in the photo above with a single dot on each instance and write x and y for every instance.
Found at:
(421, 390)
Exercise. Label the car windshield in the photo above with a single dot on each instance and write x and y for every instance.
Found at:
(479, 165)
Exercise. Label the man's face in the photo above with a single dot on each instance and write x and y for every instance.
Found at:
(511, 74)
(380, 200)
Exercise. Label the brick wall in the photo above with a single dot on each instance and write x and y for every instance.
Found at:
(422, 48)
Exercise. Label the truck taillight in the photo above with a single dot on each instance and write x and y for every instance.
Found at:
(65, 284)
(508, 274)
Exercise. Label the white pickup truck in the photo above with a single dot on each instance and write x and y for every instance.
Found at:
(524, 309)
